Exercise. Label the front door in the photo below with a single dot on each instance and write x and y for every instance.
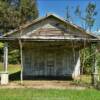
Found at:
(50, 63)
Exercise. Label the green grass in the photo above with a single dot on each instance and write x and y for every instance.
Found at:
(11, 68)
(49, 94)
(86, 79)
(45, 94)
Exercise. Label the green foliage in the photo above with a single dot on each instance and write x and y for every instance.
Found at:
(12, 68)
(88, 57)
(28, 10)
(89, 20)
(89, 15)
(98, 67)
(14, 57)
(16, 12)
(9, 18)
(86, 60)
(1, 45)
(13, 13)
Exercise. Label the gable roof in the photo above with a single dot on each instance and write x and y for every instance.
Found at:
(43, 18)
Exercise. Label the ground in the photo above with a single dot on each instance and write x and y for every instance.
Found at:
(43, 84)
(49, 94)
(46, 89)
(14, 75)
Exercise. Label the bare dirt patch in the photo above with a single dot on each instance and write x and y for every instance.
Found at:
(42, 84)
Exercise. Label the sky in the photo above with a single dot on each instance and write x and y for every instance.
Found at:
(58, 7)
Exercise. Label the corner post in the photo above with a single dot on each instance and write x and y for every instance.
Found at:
(21, 55)
(95, 74)
(5, 57)
(5, 75)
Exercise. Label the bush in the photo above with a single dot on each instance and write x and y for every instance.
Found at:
(14, 57)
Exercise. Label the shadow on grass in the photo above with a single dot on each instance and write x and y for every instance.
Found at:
(15, 76)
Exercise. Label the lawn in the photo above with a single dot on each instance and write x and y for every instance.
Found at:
(45, 94)
(49, 94)
(11, 68)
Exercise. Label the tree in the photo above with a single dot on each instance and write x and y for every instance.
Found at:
(28, 10)
(16, 12)
(89, 20)
(90, 14)
(68, 15)
(89, 17)
(13, 13)
(8, 17)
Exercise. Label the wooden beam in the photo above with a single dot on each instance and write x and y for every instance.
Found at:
(95, 74)
(21, 56)
(47, 38)
(5, 56)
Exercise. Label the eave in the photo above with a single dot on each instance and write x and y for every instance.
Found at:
(3, 39)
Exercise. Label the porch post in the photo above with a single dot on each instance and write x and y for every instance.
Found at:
(95, 73)
(4, 74)
(5, 57)
(21, 55)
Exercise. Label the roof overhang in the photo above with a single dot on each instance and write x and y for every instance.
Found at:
(3, 39)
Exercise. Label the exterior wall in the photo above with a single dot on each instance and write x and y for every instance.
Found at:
(51, 61)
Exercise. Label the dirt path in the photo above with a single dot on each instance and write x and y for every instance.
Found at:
(38, 84)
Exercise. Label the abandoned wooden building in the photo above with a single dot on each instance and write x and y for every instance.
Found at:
(50, 47)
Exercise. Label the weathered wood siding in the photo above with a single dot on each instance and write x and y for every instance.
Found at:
(50, 28)
(51, 61)
(59, 59)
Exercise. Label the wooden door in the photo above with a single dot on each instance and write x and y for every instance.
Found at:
(50, 63)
